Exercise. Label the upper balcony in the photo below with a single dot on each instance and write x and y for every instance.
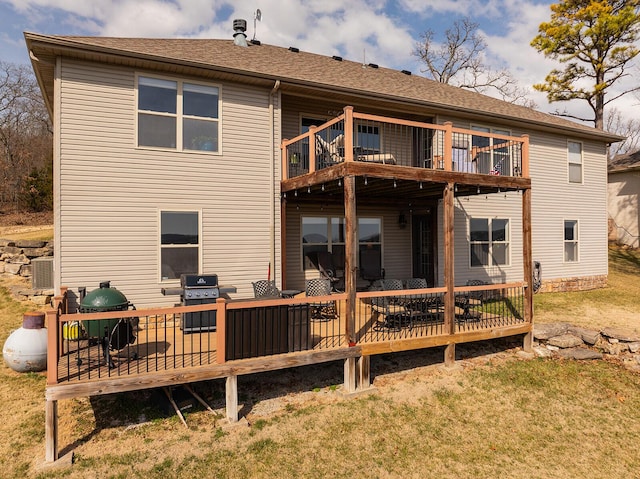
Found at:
(371, 139)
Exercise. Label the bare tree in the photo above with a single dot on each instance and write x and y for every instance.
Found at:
(616, 123)
(25, 129)
(460, 60)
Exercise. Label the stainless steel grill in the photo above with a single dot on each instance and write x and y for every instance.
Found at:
(199, 289)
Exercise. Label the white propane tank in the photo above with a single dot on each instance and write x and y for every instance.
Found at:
(25, 349)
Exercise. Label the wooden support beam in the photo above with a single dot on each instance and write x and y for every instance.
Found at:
(221, 331)
(231, 395)
(351, 248)
(51, 431)
(364, 373)
(527, 258)
(449, 280)
(350, 375)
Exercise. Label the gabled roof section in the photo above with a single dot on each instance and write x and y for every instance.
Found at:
(294, 69)
(620, 163)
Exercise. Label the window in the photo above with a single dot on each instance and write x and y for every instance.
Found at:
(368, 137)
(328, 234)
(494, 160)
(570, 241)
(574, 152)
(177, 115)
(489, 241)
(179, 243)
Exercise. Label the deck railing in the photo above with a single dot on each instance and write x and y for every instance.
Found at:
(94, 346)
(376, 139)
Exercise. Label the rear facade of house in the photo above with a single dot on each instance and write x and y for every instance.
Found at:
(168, 161)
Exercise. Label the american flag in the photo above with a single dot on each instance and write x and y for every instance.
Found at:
(497, 170)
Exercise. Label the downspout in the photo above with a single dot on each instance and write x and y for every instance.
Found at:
(272, 172)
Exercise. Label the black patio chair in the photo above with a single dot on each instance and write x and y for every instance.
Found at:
(394, 311)
(323, 310)
(265, 288)
(371, 265)
(329, 270)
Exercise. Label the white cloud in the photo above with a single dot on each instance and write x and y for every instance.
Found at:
(386, 30)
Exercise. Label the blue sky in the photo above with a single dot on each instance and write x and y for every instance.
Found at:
(383, 32)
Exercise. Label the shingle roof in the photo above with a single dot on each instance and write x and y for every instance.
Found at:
(306, 69)
(630, 161)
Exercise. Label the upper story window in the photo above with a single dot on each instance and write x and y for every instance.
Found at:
(179, 243)
(570, 241)
(178, 115)
(489, 241)
(574, 156)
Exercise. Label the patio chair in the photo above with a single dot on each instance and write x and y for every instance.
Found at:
(395, 313)
(323, 310)
(326, 154)
(265, 289)
(426, 305)
(371, 266)
(470, 301)
(328, 270)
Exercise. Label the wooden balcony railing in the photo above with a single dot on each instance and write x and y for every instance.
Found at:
(392, 141)
(267, 327)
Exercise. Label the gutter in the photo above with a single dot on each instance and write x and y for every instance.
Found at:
(272, 172)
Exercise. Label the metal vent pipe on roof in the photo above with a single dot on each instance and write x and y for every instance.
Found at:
(239, 37)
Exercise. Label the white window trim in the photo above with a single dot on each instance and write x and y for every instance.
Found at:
(576, 241)
(569, 163)
(161, 246)
(178, 115)
(508, 242)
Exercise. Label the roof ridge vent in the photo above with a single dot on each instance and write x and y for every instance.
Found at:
(294, 49)
(373, 65)
(239, 27)
(406, 72)
(337, 58)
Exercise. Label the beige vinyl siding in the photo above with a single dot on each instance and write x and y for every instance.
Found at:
(492, 206)
(555, 199)
(112, 192)
(623, 192)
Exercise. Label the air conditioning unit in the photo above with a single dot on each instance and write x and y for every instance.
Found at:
(42, 273)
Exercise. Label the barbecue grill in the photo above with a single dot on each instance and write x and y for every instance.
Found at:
(199, 289)
(114, 334)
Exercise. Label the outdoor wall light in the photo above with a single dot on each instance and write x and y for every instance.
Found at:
(402, 220)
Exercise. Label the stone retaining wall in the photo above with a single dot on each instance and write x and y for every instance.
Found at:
(15, 259)
(582, 283)
(573, 342)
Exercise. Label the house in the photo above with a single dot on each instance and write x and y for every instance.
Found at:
(623, 190)
(121, 185)
(251, 162)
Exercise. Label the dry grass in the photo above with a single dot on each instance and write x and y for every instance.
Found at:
(496, 416)
(616, 305)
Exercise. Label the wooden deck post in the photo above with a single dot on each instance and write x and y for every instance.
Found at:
(51, 430)
(449, 299)
(448, 146)
(53, 346)
(231, 396)
(527, 257)
(350, 375)
(364, 373)
(221, 331)
(351, 248)
(312, 148)
(348, 133)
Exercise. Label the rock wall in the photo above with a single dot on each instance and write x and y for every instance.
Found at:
(573, 342)
(15, 259)
(581, 283)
